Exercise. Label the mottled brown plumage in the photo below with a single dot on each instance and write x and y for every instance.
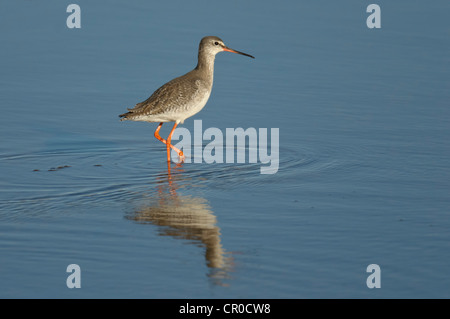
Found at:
(173, 101)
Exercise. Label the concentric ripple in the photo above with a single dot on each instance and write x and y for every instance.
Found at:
(40, 181)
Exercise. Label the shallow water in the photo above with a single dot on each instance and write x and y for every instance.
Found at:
(364, 152)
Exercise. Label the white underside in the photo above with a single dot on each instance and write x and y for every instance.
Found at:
(181, 114)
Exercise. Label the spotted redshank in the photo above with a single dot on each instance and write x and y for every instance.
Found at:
(182, 97)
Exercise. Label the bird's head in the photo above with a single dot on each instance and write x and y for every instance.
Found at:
(213, 45)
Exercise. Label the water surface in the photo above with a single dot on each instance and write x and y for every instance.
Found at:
(364, 152)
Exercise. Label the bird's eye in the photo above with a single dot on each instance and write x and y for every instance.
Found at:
(216, 43)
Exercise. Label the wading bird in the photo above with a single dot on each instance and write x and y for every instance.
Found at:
(181, 97)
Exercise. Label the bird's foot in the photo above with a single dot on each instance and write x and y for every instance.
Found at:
(181, 156)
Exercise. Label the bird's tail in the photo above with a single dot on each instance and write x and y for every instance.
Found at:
(123, 117)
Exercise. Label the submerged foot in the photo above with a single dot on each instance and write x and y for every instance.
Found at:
(181, 157)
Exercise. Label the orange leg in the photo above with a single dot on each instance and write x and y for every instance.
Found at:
(167, 142)
(157, 134)
(169, 145)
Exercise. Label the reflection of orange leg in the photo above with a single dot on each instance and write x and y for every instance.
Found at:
(180, 153)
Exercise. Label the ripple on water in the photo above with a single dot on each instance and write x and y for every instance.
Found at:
(38, 181)
(293, 165)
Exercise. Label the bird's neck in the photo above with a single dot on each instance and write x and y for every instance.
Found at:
(206, 64)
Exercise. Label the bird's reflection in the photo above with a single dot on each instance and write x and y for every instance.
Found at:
(188, 218)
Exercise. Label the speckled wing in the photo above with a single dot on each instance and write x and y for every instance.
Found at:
(173, 97)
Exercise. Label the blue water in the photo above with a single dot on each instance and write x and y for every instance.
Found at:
(363, 177)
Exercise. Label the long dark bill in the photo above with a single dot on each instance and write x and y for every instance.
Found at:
(238, 52)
